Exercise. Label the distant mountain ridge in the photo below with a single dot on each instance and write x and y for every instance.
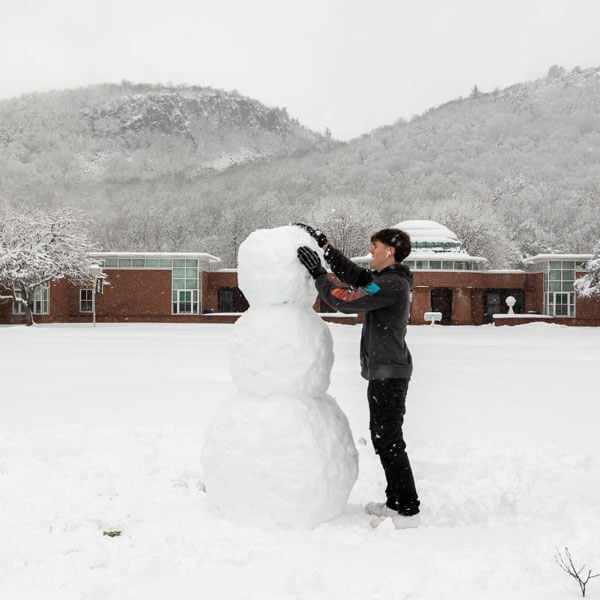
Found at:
(513, 172)
(141, 131)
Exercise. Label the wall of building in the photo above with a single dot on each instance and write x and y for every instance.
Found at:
(145, 295)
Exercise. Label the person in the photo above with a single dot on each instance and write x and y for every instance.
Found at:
(383, 295)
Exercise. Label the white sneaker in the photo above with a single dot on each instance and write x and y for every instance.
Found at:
(380, 509)
(406, 521)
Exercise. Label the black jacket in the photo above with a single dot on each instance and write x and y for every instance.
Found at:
(384, 298)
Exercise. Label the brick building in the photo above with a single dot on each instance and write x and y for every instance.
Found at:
(186, 287)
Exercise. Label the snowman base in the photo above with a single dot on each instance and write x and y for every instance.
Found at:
(280, 460)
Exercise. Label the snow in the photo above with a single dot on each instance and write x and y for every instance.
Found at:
(101, 429)
(281, 450)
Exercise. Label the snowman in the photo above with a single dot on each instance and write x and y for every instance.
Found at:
(280, 450)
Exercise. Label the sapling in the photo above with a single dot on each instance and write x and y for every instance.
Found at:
(566, 564)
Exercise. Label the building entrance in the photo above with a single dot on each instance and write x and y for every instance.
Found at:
(441, 301)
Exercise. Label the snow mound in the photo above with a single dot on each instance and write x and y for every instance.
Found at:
(280, 460)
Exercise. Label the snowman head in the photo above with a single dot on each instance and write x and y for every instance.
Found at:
(269, 271)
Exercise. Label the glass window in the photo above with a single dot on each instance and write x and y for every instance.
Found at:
(111, 262)
(179, 273)
(179, 262)
(555, 264)
(191, 262)
(447, 265)
(568, 275)
(459, 266)
(555, 286)
(86, 303)
(178, 284)
(435, 264)
(41, 302)
(138, 262)
(555, 275)
(152, 263)
(165, 263)
(124, 262)
(568, 264)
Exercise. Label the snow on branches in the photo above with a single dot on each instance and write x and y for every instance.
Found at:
(588, 286)
(37, 247)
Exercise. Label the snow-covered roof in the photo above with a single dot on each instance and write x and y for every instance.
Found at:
(428, 231)
(543, 257)
(191, 255)
(431, 236)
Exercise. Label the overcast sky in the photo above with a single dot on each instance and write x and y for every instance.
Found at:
(348, 65)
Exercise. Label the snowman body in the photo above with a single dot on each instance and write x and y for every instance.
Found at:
(281, 449)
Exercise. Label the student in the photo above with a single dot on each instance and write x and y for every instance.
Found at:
(383, 295)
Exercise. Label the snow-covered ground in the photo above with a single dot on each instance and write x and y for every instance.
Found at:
(102, 429)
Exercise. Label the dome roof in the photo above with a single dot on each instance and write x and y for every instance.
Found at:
(430, 236)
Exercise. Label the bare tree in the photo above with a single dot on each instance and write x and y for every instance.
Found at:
(38, 247)
(566, 564)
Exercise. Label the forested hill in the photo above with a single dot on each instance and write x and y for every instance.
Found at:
(132, 131)
(514, 171)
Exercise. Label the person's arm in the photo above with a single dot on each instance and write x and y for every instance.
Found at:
(361, 299)
(373, 296)
(344, 269)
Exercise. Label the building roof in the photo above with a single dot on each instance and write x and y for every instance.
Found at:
(191, 255)
(543, 257)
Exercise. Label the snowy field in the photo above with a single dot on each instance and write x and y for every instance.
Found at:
(101, 430)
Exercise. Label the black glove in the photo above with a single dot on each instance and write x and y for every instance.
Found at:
(310, 259)
(317, 234)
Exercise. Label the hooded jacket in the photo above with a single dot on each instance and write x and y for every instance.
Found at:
(384, 298)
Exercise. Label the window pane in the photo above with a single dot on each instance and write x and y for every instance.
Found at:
(567, 286)
(568, 264)
(555, 264)
(179, 273)
(165, 263)
(191, 263)
(138, 262)
(179, 284)
(568, 275)
(435, 264)
(152, 262)
(555, 286)
(111, 262)
(124, 262)
(179, 262)
(447, 264)
(555, 275)
(191, 273)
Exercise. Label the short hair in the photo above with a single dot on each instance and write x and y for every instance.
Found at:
(396, 238)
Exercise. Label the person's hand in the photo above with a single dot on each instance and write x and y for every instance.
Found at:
(310, 259)
(317, 234)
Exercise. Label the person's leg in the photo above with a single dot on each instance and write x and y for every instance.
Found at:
(387, 407)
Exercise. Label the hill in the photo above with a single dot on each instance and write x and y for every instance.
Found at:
(513, 172)
(127, 132)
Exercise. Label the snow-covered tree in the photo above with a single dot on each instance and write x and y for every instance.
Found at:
(479, 229)
(588, 286)
(38, 247)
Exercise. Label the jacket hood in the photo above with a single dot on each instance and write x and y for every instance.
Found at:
(403, 271)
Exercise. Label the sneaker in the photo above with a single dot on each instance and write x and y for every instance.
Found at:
(406, 521)
(380, 509)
